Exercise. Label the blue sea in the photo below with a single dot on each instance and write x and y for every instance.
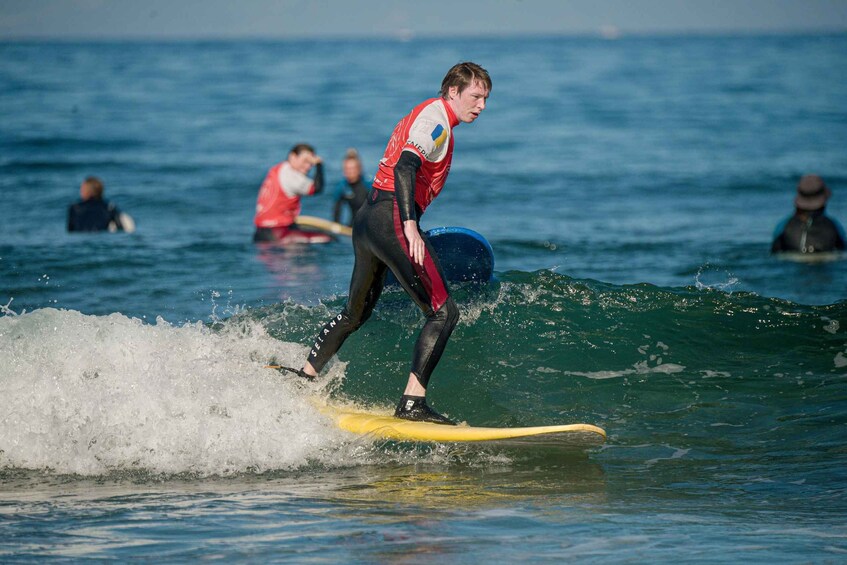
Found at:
(629, 189)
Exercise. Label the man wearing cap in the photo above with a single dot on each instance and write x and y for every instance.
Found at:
(809, 230)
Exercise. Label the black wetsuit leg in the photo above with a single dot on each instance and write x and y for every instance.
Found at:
(366, 285)
(379, 243)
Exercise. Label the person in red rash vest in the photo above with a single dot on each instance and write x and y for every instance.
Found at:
(387, 235)
(278, 204)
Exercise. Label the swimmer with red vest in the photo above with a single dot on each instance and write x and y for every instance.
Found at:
(278, 204)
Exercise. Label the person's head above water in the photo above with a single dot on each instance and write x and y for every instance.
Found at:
(466, 87)
(91, 187)
(351, 166)
(302, 157)
(812, 194)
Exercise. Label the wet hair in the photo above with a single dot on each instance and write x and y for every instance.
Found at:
(300, 147)
(95, 185)
(463, 75)
(351, 155)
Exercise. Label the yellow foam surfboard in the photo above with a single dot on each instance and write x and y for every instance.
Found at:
(324, 225)
(384, 426)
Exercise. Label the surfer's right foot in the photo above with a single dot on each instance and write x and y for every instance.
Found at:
(299, 372)
(416, 409)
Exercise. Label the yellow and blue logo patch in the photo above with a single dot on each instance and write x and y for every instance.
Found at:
(439, 134)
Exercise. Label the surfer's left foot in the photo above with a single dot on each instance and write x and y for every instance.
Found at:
(416, 409)
(303, 374)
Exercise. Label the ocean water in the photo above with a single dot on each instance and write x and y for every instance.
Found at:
(629, 189)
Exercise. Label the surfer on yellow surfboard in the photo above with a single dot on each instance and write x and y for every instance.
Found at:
(387, 235)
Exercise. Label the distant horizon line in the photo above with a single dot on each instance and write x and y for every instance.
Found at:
(608, 33)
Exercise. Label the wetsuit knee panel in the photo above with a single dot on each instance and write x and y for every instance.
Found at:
(452, 312)
(346, 322)
(365, 316)
(448, 312)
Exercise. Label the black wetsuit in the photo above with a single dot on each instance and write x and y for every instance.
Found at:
(808, 232)
(93, 215)
(411, 174)
(379, 245)
(353, 195)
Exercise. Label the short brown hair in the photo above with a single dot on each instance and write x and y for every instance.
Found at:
(300, 147)
(95, 185)
(462, 75)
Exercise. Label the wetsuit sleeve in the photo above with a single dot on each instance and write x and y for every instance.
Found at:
(405, 172)
(319, 178)
(338, 196)
(114, 218)
(340, 190)
(839, 229)
(778, 236)
(336, 211)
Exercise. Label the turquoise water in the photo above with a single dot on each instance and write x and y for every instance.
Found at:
(628, 188)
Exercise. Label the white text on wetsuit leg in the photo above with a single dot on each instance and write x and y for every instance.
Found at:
(317, 345)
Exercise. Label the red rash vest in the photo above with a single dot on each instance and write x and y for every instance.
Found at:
(427, 131)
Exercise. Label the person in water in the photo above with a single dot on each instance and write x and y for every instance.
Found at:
(387, 235)
(809, 229)
(278, 203)
(92, 212)
(351, 190)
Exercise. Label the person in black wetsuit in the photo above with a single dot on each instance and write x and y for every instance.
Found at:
(387, 235)
(92, 213)
(351, 190)
(809, 229)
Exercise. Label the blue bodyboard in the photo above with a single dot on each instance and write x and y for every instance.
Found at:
(464, 255)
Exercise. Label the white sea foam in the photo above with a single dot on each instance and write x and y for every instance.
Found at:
(715, 278)
(95, 394)
(640, 368)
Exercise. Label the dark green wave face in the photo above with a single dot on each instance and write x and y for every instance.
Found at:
(686, 377)
(540, 347)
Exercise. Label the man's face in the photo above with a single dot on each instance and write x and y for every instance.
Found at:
(468, 104)
(303, 162)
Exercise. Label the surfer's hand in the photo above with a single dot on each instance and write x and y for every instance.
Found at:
(416, 243)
